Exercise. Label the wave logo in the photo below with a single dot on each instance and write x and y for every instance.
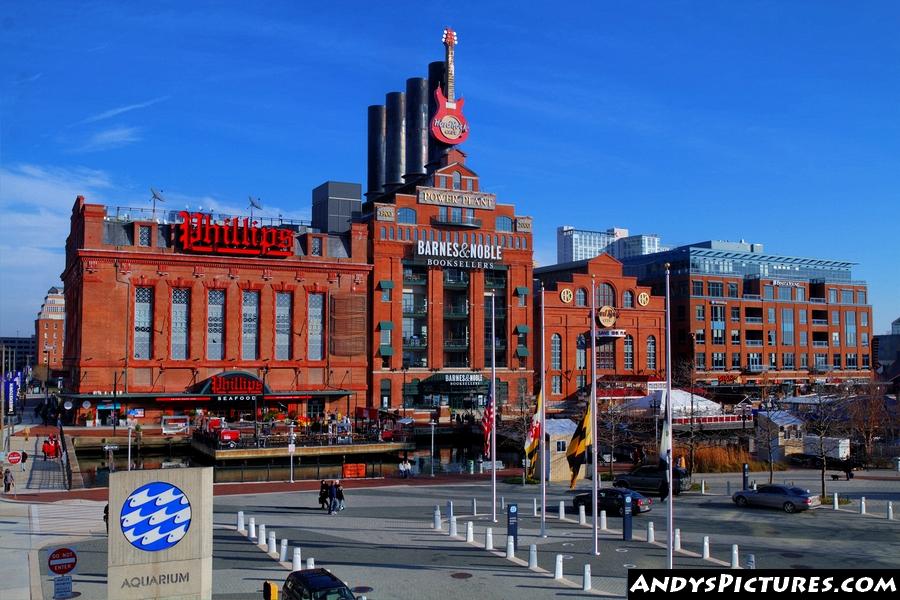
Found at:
(156, 516)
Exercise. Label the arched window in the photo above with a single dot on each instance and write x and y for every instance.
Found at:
(406, 215)
(556, 351)
(606, 295)
(383, 233)
(629, 352)
(628, 299)
(651, 353)
(457, 181)
(580, 297)
(503, 224)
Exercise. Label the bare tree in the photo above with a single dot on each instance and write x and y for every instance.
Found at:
(767, 438)
(869, 417)
(826, 419)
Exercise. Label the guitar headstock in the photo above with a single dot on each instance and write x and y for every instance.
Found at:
(449, 37)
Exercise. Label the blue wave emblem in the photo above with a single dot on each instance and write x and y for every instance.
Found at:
(155, 516)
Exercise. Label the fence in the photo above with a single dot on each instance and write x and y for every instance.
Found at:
(65, 465)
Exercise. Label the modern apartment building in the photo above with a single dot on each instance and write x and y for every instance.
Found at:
(582, 244)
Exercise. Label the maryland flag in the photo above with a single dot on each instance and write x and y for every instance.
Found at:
(578, 445)
(533, 440)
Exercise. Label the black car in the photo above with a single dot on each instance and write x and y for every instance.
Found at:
(650, 478)
(315, 584)
(612, 500)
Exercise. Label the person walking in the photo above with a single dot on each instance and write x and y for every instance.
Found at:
(24, 459)
(323, 494)
(9, 481)
(340, 496)
(407, 468)
(403, 473)
(106, 517)
(332, 498)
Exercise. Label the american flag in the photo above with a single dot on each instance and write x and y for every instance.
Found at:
(487, 421)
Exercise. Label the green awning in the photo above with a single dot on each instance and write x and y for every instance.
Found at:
(385, 325)
(386, 284)
(386, 350)
(523, 329)
(521, 291)
(522, 351)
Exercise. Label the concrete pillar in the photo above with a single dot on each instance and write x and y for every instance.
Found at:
(453, 526)
(297, 563)
(310, 563)
(562, 510)
(240, 520)
(558, 572)
(603, 520)
(502, 503)
(586, 582)
(735, 558)
(702, 487)
(834, 502)
(532, 556)
(272, 544)
(474, 507)
(862, 505)
(581, 517)
(705, 547)
(470, 532)
(534, 506)
(262, 533)
(282, 554)
(436, 524)
(252, 533)
(510, 547)
(677, 543)
(449, 509)
(651, 536)
(890, 511)
(488, 539)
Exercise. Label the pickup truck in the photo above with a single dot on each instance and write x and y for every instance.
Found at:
(650, 478)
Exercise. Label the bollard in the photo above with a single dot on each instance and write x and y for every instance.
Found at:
(534, 506)
(510, 547)
(890, 511)
(558, 572)
(437, 518)
(862, 505)
(271, 549)
(297, 563)
(702, 487)
(452, 531)
(651, 537)
(532, 556)
(240, 520)
(562, 510)
(262, 534)
(470, 532)
(677, 543)
(581, 518)
(834, 503)
(252, 534)
(754, 486)
(751, 562)
(474, 507)
(502, 503)
(728, 488)
(705, 554)
(449, 509)
(310, 563)
(603, 520)
(735, 559)
(488, 539)
(282, 555)
(586, 583)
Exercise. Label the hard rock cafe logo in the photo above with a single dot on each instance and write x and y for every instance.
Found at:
(448, 124)
(607, 316)
(199, 233)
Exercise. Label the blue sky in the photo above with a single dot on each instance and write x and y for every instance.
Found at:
(776, 122)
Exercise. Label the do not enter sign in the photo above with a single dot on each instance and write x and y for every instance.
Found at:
(62, 560)
(14, 457)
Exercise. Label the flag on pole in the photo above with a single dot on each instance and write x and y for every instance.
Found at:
(533, 441)
(578, 445)
(487, 422)
(665, 444)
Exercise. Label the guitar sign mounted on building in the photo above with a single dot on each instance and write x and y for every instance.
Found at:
(449, 125)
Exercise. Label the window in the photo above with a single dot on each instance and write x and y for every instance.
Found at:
(385, 294)
(181, 309)
(835, 338)
(560, 446)
(629, 353)
(736, 314)
(700, 312)
(736, 336)
(406, 216)
(556, 351)
(606, 295)
(850, 328)
(851, 360)
(732, 290)
(651, 353)
(250, 325)
(784, 293)
(718, 361)
(865, 361)
(696, 288)
(787, 326)
(715, 289)
(864, 319)
(718, 336)
(606, 355)
(556, 385)
(835, 317)
(787, 360)
(801, 294)
(580, 297)
(768, 292)
(457, 181)
(700, 361)
(385, 388)
(144, 233)
(803, 338)
(837, 361)
(628, 299)
(735, 360)
(316, 327)
(503, 224)
(771, 338)
(283, 306)
(804, 361)
(580, 381)
(215, 324)
(803, 316)
(771, 315)
(143, 323)
(385, 337)
(832, 296)
(581, 353)
(700, 336)
(772, 361)
(846, 296)
(860, 297)
(864, 339)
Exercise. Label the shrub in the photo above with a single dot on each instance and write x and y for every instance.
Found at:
(727, 459)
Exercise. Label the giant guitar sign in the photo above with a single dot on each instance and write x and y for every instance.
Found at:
(448, 124)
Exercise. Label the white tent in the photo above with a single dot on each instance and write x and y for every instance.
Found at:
(681, 404)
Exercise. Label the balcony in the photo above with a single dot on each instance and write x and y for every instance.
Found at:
(817, 300)
(494, 282)
(456, 312)
(753, 342)
(456, 282)
(820, 344)
(756, 368)
(750, 297)
(448, 221)
(415, 309)
(415, 279)
(499, 312)
(757, 320)
(415, 343)
(818, 322)
(456, 345)
(821, 368)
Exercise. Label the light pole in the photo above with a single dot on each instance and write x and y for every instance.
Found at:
(129, 441)
(693, 366)
(432, 423)
(291, 449)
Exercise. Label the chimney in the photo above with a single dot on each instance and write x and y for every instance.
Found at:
(375, 184)
(395, 147)
(437, 75)
(417, 118)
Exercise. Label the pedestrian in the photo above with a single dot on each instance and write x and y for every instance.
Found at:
(848, 472)
(45, 448)
(24, 459)
(332, 498)
(106, 517)
(9, 481)
(57, 449)
(407, 468)
(323, 494)
(340, 496)
(403, 472)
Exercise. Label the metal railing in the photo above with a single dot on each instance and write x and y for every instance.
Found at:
(128, 214)
(415, 343)
(415, 279)
(820, 321)
(456, 221)
(456, 311)
(65, 465)
(753, 319)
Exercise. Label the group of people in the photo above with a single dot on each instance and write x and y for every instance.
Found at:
(405, 469)
(51, 447)
(331, 496)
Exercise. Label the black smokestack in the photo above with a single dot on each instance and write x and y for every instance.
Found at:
(395, 148)
(375, 184)
(437, 75)
(416, 127)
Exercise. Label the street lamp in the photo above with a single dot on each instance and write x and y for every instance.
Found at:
(432, 423)
(290, 449)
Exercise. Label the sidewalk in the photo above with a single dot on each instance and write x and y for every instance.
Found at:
(35, 475)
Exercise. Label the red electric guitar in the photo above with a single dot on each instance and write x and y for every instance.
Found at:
(449, 125)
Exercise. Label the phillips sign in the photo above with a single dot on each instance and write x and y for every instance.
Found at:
(199, 233)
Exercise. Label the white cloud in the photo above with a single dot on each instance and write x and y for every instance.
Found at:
(111, 138)
(114, 112)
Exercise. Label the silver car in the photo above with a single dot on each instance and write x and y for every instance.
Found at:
(787, 498)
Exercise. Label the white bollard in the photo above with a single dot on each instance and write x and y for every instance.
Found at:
(532, 556)
(735, 559)
(534, 506)
(470, 532)
(262, 534)
(252, 534)
(437, 518)
(754, 486)
(272, 545)
(510, 547)
(728, 488)
(474, 507)
(449, 509)
(488, 539)
(586, 583)
(751, 561)
(603, 520)
(558, 572)
(862, 505)
(890, 511)
(834, 502)
(562, 510)
(502, 503)
(452, 527)
(581, 517)
(310, 563)
(677, 542)
(702, 487)
(705, 554)
(282, 554)
(297, 563)
(240, 520)
(651, 537)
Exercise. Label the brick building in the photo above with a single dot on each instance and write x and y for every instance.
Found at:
(49, 330)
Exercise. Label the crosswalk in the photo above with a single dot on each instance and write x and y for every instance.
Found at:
(81, 518)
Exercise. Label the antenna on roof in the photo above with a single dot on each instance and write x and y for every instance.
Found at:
(156, 197)
(254, 203)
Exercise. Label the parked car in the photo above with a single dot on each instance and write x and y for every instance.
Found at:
(787, 498)
(811, 461)
(612, 500)
(651, 478)
(315, 584)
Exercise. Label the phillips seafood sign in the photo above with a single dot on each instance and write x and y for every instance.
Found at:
(199, 233)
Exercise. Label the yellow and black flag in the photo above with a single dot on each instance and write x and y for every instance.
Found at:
(533, 439)
(578, 445)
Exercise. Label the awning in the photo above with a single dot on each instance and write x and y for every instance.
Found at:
(385, 325)
(523, 329)
(522, 351)
(385, 350)
(521, 291)
(386, 284)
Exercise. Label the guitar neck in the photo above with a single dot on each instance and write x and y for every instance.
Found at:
(451, 86)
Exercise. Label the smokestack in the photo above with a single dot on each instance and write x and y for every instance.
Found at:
(437, 74)
(416, 127)
(375, 184)
(395, 148)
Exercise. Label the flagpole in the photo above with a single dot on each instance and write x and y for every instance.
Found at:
(670, 515)
(593, 424)
(543, 447)
(494, 411)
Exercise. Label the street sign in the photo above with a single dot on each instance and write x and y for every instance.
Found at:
(109, 447)
(14, 457)
(512, 523)
(292, 448)
(62, 587)
(62, 560)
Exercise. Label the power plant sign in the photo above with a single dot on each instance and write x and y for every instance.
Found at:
(449, 125)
